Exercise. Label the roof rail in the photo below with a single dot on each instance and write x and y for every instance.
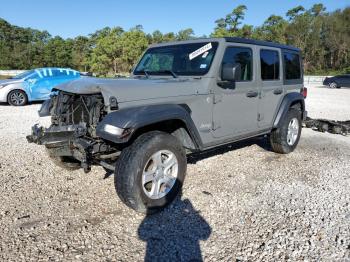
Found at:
(259, 42)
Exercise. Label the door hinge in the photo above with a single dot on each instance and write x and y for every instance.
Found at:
(260, 117)
(217, 99)
(215, 126)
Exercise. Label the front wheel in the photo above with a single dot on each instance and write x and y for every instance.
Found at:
(334, 85)
(17, 98)
(286, 138)
(150, 172)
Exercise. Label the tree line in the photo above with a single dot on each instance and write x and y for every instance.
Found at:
(323, 37)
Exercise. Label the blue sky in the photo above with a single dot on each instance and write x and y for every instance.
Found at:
(69, 18)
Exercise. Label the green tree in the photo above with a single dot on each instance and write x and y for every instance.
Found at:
(58, 52)
(229, 26)
(107, 52)
(274, 29)
(295, 12)
(133, 43)
(81, 52)
(185, 34)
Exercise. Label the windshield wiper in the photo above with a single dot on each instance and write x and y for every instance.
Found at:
(146, 72)
(168, 72)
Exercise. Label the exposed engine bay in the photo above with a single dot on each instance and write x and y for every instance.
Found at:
(83, 110)
(74, 118)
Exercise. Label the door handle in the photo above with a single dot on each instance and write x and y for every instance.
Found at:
(251, 94)
(278, 91)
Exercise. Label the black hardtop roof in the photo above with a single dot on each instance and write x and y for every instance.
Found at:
(259, 42)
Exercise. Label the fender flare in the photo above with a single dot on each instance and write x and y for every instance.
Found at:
(287, 101)
(135, 118)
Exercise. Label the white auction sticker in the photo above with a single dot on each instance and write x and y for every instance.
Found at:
(200, 51)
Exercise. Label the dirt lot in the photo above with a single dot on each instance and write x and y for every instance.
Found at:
(239, 202)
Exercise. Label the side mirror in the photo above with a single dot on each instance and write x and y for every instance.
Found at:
(231, 72)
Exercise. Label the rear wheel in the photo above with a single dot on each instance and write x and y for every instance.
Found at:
(286, 138)
(17, 98)
(150, 172)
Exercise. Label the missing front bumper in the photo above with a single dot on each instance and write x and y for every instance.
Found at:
(72, 141)
(55, 134)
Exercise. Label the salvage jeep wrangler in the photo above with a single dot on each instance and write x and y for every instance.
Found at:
(182, 97)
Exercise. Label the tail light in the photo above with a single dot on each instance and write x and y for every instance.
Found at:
(303, 91)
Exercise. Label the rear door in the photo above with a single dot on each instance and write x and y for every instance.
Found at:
(344, 81)
(236, 105)
(347, 81)
(270, 81)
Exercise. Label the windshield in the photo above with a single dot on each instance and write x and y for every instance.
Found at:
(183, 59)
(23, 75)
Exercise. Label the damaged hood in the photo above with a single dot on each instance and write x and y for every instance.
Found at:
(133, 89)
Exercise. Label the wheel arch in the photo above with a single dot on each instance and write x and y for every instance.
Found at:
(291, 100)
(171, 118)
(20, 89)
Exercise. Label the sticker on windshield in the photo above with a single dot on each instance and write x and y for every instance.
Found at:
(200, 51)
(205, 54)
(202, 66)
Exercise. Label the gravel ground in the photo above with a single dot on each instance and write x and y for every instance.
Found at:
(240, 202)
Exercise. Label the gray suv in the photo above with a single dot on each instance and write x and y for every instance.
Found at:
(182, 97)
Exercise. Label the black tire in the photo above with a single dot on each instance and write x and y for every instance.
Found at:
(65, 162)
(333, 85)
(278, 137)
(133, 161)
(17, 98)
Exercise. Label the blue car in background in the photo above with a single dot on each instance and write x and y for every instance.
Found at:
(34, 85)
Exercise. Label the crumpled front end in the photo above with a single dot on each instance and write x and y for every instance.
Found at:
(74, 118)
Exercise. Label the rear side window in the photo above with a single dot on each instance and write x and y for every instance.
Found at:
(242, 57)
(64, 72)
(269, 64)
(292, 65)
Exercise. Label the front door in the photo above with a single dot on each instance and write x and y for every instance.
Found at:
(235, 107)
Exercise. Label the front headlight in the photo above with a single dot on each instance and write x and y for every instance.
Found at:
(114, 130)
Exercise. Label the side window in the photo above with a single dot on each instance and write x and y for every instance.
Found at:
(57, 73)
(292, 66)
(241, 57)
(34, 76)
(62, 72)
(269, 64)
(46, 72)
